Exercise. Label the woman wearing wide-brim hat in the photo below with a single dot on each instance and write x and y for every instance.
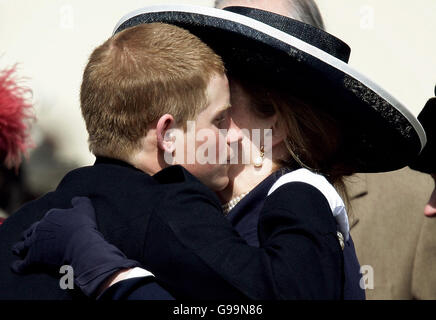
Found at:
(327, 121)
(381, 133)
(277, 65)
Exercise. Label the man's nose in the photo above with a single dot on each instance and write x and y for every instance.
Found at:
(234, 134)
(430, 208)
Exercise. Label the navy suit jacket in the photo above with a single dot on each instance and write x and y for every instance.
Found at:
(126, 201)
(244, 218)
(173, 225)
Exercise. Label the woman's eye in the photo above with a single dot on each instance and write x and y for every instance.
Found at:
(221, 119)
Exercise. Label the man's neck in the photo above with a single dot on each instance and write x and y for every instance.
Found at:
(109, 160)
(148, 162)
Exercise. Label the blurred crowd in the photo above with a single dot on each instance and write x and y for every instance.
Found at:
(29, 165)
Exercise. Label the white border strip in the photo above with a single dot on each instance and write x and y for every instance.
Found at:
(288, 39)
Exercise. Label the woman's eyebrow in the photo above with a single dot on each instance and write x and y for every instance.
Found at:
(226, 107)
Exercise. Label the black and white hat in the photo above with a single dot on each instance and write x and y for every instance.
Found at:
(380, 133)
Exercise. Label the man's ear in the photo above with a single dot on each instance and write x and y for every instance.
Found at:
(166, 140)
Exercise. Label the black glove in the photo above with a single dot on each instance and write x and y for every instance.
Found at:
(70, 237)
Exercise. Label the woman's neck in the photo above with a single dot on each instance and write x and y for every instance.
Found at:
(245, 177)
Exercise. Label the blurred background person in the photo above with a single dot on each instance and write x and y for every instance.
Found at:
(15, 116)
(395, 241)
(426, 161)
(23, 179)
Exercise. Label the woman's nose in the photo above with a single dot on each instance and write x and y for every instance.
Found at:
(234, 134)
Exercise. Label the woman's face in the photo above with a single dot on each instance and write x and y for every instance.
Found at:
(244, 119)
(241, 111)
(255, 129)
(243, 175)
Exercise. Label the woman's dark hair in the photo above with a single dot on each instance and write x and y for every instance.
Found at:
(314, 139)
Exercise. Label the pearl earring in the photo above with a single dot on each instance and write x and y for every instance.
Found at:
(258, 162)
(171, 137)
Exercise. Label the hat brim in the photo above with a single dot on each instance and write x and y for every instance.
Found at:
(380, 133)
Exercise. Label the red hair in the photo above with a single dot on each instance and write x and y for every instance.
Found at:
(15, 111)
